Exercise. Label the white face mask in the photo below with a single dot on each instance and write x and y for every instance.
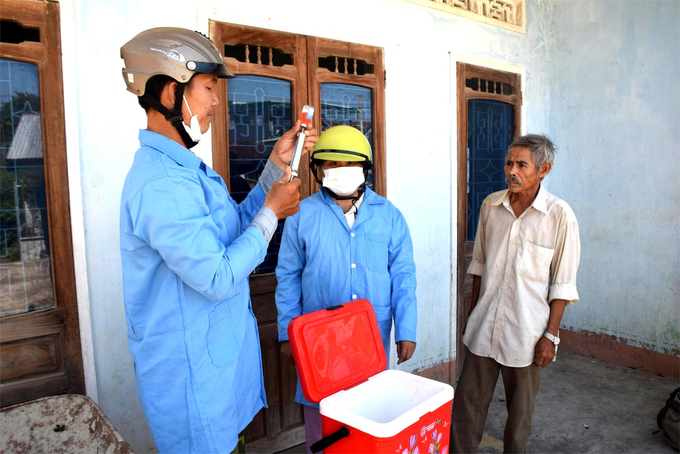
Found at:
(195, 130)
(343, 181)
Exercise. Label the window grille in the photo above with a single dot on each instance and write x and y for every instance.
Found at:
(13, 33)
(259, 55)
(345, 65)
(488, 86)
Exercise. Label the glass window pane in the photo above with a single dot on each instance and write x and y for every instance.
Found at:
(491, 128)
(344, 104)
(259, 113)
(25, 265)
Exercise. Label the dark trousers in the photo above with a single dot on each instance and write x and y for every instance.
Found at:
(473, 396)
(241, 445)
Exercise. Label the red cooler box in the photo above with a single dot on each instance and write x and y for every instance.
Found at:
(364, 408)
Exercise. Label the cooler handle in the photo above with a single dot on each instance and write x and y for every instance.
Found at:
(329, 440)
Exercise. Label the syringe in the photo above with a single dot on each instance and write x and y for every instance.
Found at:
(306, 121)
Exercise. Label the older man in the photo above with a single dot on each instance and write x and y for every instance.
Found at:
(524, 265)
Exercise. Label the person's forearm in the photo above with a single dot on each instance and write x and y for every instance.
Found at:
(270, 175)
(266, 221)
(556, 311)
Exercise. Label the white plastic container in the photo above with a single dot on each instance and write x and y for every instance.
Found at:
(365, 408)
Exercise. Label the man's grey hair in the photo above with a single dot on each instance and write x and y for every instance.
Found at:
(542, 149)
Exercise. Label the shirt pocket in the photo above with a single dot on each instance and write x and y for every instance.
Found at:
(227, 327)
(383, 314)
(536, 262)
(377, 250)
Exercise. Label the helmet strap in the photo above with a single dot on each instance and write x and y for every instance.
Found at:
(314, 167)
(354, 199)
(174, 115)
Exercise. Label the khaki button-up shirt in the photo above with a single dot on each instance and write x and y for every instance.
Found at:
(525, 262)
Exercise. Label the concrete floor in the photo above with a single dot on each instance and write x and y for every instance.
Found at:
(585, 406)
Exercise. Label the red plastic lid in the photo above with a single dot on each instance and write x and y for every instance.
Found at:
(336, 348)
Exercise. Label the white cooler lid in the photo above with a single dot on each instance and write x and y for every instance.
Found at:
(387, 403)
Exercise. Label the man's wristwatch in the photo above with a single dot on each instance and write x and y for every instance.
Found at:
(554, 339)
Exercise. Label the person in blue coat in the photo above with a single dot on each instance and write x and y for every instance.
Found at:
(187, 249)
(346, 243)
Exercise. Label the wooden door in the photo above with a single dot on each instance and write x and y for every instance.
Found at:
(278, 73)
(257, 107)
(489, 103)
(347, 81)
(40, 350)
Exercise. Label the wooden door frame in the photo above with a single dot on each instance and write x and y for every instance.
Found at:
(464, 248)
(47, 329)
(306, 76)
(262, 287)
(230, 34)
(306, 51)
(322, 47)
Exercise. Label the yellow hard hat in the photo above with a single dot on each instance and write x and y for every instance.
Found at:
(342, 143)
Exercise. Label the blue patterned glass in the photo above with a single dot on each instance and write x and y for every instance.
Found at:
(259, 113)
(344, 104)
(25, 265)
(491, 127)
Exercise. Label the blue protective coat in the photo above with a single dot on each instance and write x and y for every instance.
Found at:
(186, 252)
(323, 263)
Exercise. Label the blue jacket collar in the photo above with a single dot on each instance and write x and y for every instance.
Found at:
(365, 210)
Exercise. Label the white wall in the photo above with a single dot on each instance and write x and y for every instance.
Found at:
(421, 46)
(615, 114)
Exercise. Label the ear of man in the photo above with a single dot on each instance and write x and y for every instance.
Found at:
(168, 94)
